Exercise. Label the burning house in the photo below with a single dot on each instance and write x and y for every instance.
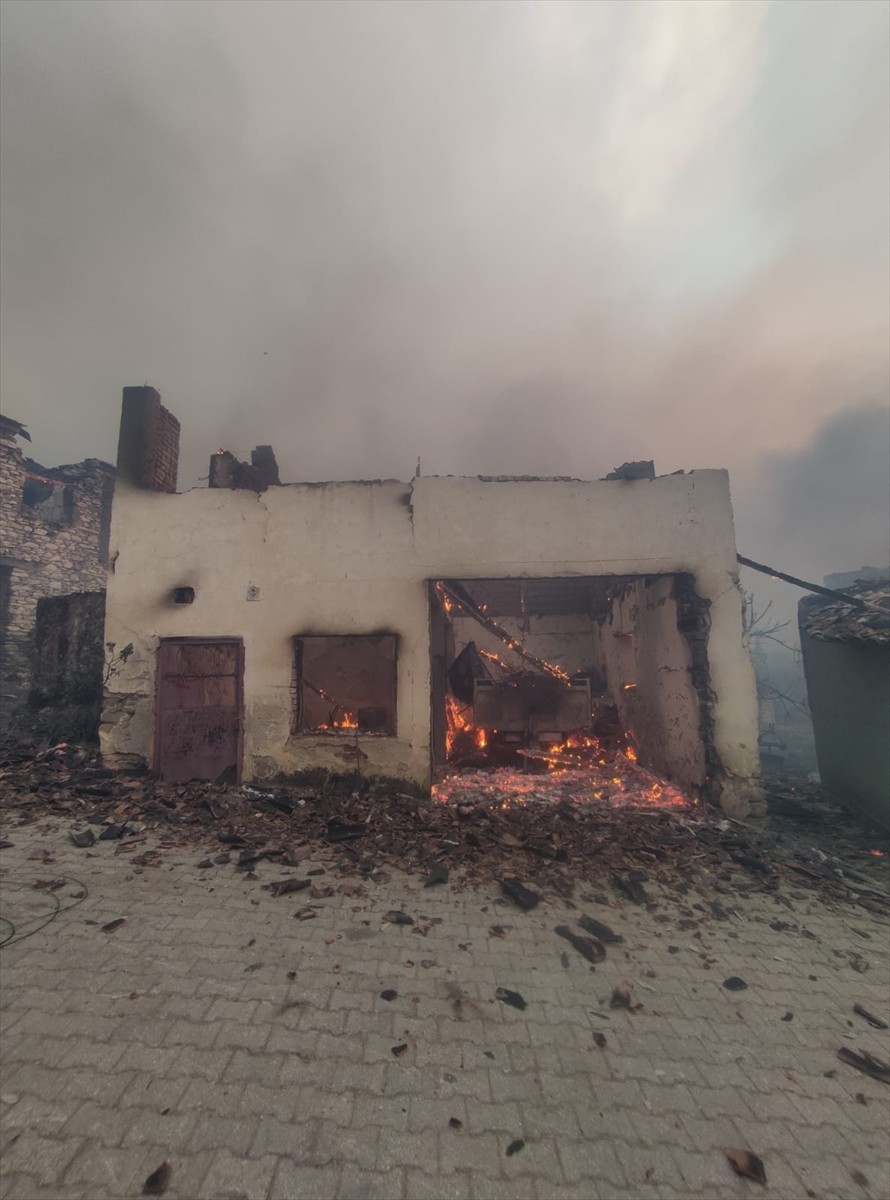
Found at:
(429, 631)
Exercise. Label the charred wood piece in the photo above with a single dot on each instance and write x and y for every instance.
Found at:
(522, 896)
(606, 935)
(589, 948)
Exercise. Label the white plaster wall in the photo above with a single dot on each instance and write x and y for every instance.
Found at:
(642, 645)
(355, 557)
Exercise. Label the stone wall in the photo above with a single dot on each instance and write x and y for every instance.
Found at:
(54, 529)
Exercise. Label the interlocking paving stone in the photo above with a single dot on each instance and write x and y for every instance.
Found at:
(253, 1084)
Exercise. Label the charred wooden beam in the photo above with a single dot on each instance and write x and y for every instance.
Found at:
(853, 601)
(461, 599)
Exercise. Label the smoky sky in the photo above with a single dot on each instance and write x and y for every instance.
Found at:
(506, 237)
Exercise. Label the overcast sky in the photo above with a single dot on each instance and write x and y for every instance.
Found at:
(506, 237)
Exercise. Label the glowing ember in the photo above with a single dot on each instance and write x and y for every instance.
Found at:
(507, 787)
(876, 853)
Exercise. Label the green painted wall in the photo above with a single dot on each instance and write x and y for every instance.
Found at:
(849, 691)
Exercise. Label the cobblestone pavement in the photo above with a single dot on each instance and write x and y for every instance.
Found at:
(254, 1051)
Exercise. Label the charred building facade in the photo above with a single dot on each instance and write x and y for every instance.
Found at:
(405, 629)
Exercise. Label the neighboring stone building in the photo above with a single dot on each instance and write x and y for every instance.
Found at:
(337, 625)
(846, 657)
(54, 529)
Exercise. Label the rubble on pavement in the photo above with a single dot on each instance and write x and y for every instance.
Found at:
(533, 847)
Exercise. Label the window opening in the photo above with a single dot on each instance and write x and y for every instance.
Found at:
(345, 684)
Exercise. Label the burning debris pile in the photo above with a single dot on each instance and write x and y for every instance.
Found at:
(555, 841)
(579, 771)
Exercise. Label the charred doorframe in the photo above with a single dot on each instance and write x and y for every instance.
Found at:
(239, 693)
(693, 624)
(442, 643)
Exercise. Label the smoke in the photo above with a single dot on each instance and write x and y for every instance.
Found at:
(510, 238)
(827, 507)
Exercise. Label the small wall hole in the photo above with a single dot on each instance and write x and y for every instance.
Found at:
(184, 595)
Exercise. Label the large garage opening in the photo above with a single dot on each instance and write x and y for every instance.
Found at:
(598, 683)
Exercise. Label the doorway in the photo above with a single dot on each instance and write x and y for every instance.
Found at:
(199, 725)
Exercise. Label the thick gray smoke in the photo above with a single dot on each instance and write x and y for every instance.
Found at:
(528, 237)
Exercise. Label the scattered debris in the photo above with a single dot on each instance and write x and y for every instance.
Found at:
(522, 896)
(599, 1038)
(747, 1164)
(158, 1181)
(113, 925)
(630, 471)
(735, 983)
(606, 935)
(388, 994)
(621, 998)
(857, 962)
(866, 1015)
(564, 959)
(556, 832)
(253, 967)
(876, 1068)
(455, 1123)
(84, 840)
(789, 1016)
(591, 949)
(498, 931)
(284, 887)
(398, 1051)
(514, 999)
(337, 831)
(305, 914)
(515, 1146)
(111, 833)
(438, 874)
(395, 917)
(632, 887)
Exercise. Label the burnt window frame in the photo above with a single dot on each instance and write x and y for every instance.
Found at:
(67, 515)
(297, 685)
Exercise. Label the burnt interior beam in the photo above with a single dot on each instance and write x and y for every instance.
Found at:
(462, 599)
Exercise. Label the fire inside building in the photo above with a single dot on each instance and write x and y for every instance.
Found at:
(583, 634)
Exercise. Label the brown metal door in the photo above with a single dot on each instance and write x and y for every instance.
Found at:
(198, 730)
